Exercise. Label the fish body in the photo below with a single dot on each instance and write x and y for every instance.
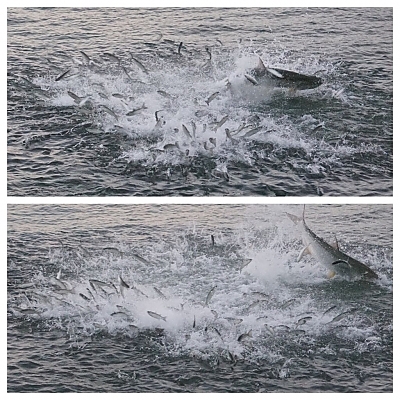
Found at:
(244, 336)
(331, 257)
(210, 294)
(283, 78)
(156, 316)
(211, 98)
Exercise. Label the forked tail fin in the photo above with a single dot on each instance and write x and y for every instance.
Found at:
(295, 218)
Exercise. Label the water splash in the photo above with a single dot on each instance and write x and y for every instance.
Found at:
(237, 296)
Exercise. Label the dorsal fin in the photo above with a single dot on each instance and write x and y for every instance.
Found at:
(260, 69)
(336, 244)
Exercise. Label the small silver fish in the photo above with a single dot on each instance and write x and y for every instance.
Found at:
(139, 64)
(114, 251)
(342, 315)
(76, 98)
(59, 77)
(287, 303)
(298, 332)
(251, 79)
(210, 294)
(234, 321)
(252, 132)
(122, 283)
(109, 111)
(136, 110)
(119, 314)
(193, 128)
(156, 115)
(186, 131)
(112, 57)
(213, 328)
(211, 98)
(270, 330)
(245, 336)
(229, 136)
(171, 146)
(160, 293)
(26, 311)
(165, 94)
(84, 297)
(85, 56)
(156, 316)
(220, 123)
(302, 321)
(141, 259)
(329, 309)
(245, 264)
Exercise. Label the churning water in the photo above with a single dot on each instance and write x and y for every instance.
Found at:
(217, 300)
(138, 101)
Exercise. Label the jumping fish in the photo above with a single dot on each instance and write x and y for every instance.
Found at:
(160, 293)
(331, 257)
(109, 111)
(211, 98)
(136, 110)
(180, 47)
(186, 131)
(220, 123)
(246, 335)
(285, 78)
(229, 136)
(210, 294)
(156, 316)
(252, 132)
(302, 321)
(342, 315)
(122, 283)
(59, 77)
(112, 57)
(251, 79)
(139, 64)
(85, 56)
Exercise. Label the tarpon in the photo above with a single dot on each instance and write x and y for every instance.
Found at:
(283, 78)
(330, 256)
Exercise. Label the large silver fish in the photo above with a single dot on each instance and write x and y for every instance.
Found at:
(284, 78)
(331, 257)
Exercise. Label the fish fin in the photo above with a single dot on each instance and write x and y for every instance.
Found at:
(335, 244)
(274, 73)
(260, 69)
(305, 251)
(341, 262)
(331, 274)
(294, 218)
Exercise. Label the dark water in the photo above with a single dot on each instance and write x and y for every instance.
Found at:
(308, 333)
(332, 140)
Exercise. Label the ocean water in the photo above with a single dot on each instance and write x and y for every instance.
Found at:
(217, 299)
(111, 101)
